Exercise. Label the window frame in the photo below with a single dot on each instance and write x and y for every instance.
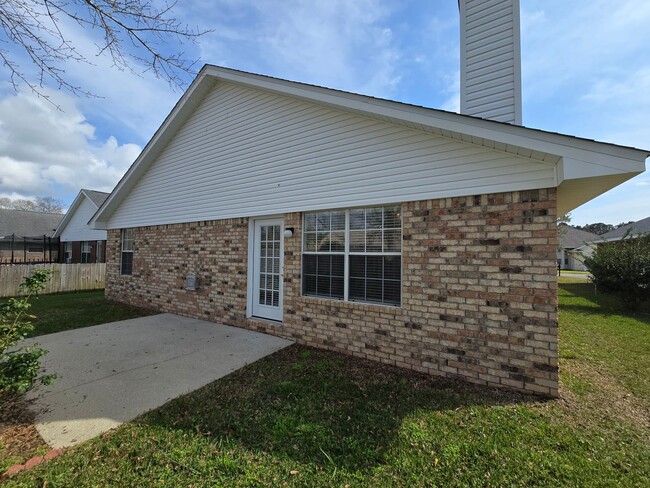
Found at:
(123, 238)
(67, 252)
(99, 251)
(86, 251)
(346, 253)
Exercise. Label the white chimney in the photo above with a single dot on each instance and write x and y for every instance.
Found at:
(490, 60)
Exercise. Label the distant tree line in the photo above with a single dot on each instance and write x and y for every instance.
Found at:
(38, 204)
(600, 228)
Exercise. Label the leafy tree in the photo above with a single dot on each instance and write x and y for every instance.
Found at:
(623, 268)
(598, 228)
(49, 204)
(562, 225)
(133, 32)
(20, 366)
(40, 204)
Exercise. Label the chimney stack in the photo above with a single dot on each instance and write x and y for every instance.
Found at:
(490, 60)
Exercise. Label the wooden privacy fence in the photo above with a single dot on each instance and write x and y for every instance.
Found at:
(65, 277)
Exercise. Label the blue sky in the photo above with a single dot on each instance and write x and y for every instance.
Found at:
(586, 72)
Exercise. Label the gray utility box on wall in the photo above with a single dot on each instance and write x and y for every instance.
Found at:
(191, 282)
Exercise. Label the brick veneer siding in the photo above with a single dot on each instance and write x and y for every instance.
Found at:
(479, 291)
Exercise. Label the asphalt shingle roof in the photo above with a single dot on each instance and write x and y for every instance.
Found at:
(571, 238)
(98, 197)
(639, 227)
(24, 223)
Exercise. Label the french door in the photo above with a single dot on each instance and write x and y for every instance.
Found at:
(268, 256)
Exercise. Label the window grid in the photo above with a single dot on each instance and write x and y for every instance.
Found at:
(68, 252)
(269, 286)
(128, 247)
(85, 251)
(390, 290)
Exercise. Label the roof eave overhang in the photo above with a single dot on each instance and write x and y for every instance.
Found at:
(577, 159)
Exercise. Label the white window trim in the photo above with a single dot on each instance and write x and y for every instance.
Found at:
(98, 251)
(85, 250)
(122, 251)
(67, 252)
(347, 253)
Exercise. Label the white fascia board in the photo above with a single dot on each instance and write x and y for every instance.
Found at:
(571, 168)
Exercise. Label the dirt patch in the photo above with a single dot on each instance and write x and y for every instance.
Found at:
(19, 439)
(604, 397)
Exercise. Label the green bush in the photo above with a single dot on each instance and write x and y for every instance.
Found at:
(623, 269)
(20, 366)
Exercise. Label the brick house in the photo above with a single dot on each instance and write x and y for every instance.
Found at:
(412, 236)
(78, 242)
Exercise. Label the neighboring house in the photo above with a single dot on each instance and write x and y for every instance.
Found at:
(574, 246)
(26, 236)
(80, 243)
(630, 230)
(407, 235)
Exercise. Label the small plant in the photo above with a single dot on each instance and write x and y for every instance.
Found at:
(623, 269)
(20, 366)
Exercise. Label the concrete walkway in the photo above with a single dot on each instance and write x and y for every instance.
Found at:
(111, 373)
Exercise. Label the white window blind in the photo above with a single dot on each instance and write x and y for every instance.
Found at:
(353, 254)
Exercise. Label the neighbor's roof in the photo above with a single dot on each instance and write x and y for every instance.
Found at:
(25, 223)
(605, 165)
(97, 198)
(639, 227)
(572, 238)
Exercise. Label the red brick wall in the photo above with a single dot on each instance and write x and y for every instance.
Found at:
(479, 292)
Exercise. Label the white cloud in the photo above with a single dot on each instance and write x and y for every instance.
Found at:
(452, 103)
(46, 151)
(337, 43)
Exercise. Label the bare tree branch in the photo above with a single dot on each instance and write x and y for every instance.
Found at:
(136, 34)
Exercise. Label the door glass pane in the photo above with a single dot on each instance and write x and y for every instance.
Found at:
(269, 262)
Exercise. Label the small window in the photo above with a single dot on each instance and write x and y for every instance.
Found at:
(67, 252)
(38, 249)
(99, 252)
(360, 248)
(128, 246)
(85, 251)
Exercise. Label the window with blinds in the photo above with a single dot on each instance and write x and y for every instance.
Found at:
(128, 246)
(85, 251)
(353, 255)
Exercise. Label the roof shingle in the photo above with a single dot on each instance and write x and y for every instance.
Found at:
(25, 223)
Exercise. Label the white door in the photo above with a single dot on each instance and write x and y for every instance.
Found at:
(267, 268)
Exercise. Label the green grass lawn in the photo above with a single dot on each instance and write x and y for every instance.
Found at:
(65, 311)
(305, 417)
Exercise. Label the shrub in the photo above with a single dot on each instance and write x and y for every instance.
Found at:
(20, 366)
(623, 268)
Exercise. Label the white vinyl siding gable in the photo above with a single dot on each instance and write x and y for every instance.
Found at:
(77, 229)
(247, 152)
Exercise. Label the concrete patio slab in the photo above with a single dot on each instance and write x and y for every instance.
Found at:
(111, 373)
